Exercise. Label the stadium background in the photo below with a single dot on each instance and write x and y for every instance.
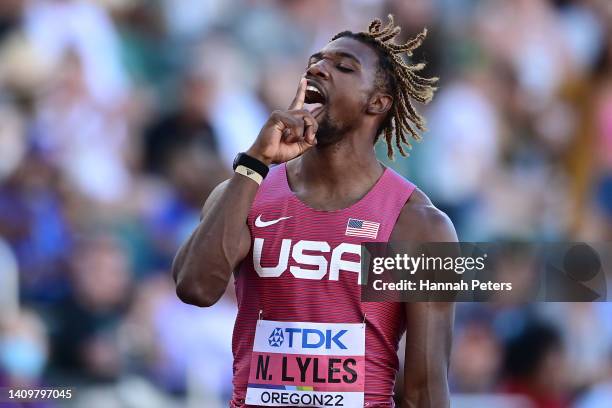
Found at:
(117, 117)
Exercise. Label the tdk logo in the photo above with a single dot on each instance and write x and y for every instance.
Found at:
(307, 338)
(276, 338)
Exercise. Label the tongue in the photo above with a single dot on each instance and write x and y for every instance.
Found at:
(311, 107)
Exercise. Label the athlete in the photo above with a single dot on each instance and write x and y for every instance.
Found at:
(291, 237)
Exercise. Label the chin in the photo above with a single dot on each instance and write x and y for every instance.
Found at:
(329, 131)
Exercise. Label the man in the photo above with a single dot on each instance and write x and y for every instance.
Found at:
(302, 335)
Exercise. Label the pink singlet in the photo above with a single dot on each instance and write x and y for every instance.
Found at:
(300, 338)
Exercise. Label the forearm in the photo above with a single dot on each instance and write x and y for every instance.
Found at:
(179, 258)
(204, 264)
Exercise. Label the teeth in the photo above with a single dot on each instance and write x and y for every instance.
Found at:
(313, 89)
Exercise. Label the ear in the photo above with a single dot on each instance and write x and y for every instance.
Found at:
(379, 103)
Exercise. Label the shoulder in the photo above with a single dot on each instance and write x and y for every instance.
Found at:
(420, 220)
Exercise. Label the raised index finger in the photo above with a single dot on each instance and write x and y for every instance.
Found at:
(298, 101)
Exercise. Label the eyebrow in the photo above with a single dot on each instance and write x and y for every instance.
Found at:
(342, 54)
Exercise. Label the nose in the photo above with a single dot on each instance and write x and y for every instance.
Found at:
(318, 69)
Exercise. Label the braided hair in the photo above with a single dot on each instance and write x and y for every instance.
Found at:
(399, 78)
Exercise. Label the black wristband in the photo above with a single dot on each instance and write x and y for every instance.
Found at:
(243, 159)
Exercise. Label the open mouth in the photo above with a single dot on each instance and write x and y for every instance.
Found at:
(314, 99)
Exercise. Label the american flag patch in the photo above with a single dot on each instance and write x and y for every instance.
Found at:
(361, 228)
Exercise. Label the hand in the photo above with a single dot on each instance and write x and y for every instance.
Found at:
(287, 133)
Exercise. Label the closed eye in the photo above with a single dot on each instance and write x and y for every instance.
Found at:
(344, 69)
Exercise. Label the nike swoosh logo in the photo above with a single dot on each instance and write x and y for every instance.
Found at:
(260, 224)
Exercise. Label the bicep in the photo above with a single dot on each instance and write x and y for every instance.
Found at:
(244, 245)
(428, 344)
(429, 328)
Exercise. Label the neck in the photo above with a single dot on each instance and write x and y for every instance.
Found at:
(349, 159)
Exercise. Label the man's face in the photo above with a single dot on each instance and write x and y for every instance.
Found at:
(340, 80)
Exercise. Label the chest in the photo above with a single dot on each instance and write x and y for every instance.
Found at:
(291, 240)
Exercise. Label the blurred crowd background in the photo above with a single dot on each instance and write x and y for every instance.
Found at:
(118, 117)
